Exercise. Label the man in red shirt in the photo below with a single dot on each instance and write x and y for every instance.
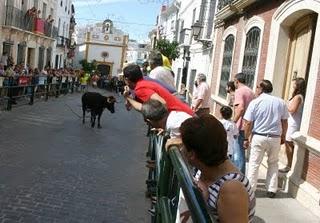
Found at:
(145, 90)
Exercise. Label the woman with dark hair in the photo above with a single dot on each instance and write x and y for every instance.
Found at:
(230, 88)
(295, 107)
(226, 190)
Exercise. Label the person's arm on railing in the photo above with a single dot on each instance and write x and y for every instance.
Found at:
(173, 142)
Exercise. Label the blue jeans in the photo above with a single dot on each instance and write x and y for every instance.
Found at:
(239, 158)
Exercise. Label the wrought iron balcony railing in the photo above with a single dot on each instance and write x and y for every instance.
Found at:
(223, 3)
(22, 20)
(63, 42)
(227, 8)
(184, 37)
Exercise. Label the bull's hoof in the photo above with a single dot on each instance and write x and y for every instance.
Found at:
(99, 127)
(92, 126)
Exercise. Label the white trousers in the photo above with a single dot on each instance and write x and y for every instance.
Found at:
(259, 146)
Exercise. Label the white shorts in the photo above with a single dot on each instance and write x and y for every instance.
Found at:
(290, 131)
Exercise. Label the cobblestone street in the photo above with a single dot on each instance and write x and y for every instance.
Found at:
(55, 169)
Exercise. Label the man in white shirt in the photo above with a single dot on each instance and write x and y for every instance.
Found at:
(158, 116)
(265, 121)
(201, 96)
(158, 71)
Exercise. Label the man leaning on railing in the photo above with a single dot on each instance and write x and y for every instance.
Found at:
(157, 115)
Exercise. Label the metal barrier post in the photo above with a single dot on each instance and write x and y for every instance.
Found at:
(33, 81)
(193, 196)
(72, 85)
(166, 215)
(10, 93)
(172, 173)
(58, 85)
(47, 90)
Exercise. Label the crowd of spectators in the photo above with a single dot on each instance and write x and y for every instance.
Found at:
(252, 120)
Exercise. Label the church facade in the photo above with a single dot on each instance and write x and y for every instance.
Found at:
(103, 43)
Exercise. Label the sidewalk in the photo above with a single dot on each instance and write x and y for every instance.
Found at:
(281, 209)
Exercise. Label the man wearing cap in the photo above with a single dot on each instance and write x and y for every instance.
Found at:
(201, 97)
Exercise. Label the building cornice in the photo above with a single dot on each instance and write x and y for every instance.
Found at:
(27, 32)
(104, 44)
(233, 8)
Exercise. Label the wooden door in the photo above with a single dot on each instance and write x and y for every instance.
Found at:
(104, 69)
(301, 43)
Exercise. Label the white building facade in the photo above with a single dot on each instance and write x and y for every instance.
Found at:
(175, 23)
(65, 12)
(104, 44)
(137, 52)
(28, 39)
(31, 38)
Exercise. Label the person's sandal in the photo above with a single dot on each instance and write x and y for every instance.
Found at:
(285, 169)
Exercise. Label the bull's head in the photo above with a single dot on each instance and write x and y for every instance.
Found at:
(110, 103)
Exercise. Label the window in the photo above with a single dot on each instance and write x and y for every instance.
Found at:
(51, 12)
(49, 55)
(192, 79)
(251, 54)
(44, 10)
(21, 52)
(209, 21)
(182, 32)
(64, 29)
(41, 57)
(226, 65)
(193, 21)
(194, 11)
(178, 77)
(6, 47)
(35, 3)
(59, 24)
(172, 27)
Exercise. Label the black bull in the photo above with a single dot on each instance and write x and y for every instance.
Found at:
(96, 103)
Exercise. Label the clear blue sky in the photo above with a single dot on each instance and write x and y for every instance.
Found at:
(135, 17)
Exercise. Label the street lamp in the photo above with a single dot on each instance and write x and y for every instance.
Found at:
(196, 30)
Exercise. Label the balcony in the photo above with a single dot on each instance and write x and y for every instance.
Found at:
(63, 42)
(228, 8)
(184, 37)
(19, 19)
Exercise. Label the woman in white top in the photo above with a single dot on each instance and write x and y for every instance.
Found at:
(295, 107)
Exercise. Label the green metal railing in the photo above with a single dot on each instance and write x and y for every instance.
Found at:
(171, 174)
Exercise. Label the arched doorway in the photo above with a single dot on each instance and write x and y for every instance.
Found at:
(104, 69)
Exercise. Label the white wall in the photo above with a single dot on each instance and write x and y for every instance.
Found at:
(79, 55)
(2, 12)
(63, 15)
(115, 54)
(200, 58)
